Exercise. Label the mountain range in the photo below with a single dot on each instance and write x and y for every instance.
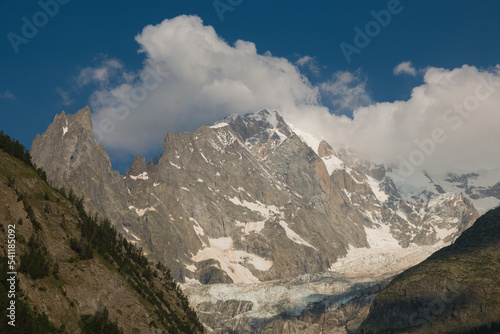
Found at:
(254, 200)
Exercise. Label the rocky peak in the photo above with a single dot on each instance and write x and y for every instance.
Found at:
(73, 158)
(138, 165)
(325, 150)
(169, 139)
(262, 132)
(258, 127)
(83, 117)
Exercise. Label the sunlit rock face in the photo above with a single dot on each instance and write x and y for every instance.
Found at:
(252, 199)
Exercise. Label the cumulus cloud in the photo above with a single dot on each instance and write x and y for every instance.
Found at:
(346, 91)
(405, 67)
(66, 99)
(191, 77)
(309, 62)
(7, 95)
(101, 73)
(451, 119)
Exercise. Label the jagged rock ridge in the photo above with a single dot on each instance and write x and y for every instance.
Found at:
(247, 189)
(58, 280)
(253, 199)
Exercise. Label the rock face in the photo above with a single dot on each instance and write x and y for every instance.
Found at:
(455, 289)
(225, 209)
(45, 223)
(73, 158)
(252, 199)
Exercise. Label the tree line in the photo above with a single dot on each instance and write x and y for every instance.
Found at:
(14, 148)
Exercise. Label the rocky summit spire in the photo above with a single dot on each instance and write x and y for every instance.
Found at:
(73, 158)
(84, 118)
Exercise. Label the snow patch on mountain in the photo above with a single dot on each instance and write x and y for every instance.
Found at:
(142, 176)
(485, 178)
(445, 232)
(385, 256)
(290, 234)
(197, 228)
(232, 261)
(332, 163)
(192, 281)
(249, 227)
(375, 185)
(381, 238)
(311, 141)
(218, 125)
(265, 210)
(141, 212)
(176, 166)
(190, 267)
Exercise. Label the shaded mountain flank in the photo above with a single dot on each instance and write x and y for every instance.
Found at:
(75, 273)
(456, 290)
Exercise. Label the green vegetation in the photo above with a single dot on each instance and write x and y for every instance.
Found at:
(100, 323)
(27, 321)
(35, 262)
(31, 213)
(491, 328)
(460, 279)
(17, 150)
(83, 248)
(134, 267)
(98, 238)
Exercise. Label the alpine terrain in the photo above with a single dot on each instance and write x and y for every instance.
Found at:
(298, 235)
(457, 289)
(71, 272)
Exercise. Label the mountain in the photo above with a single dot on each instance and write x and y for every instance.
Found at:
(75, 274)
(456, 290)
(482, 187)
(252, 199)
(73, 158)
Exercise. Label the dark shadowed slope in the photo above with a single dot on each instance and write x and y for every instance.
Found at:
(455, 290)
(75, 273)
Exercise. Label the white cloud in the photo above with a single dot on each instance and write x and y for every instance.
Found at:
(310, 62)
(346, 91)
(99, 74)
(193, 77)
(385, 132)
(7, 95)
(304, 60)
(405, 67)
(65, 96)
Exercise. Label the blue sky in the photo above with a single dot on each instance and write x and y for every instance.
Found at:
(44, 76)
